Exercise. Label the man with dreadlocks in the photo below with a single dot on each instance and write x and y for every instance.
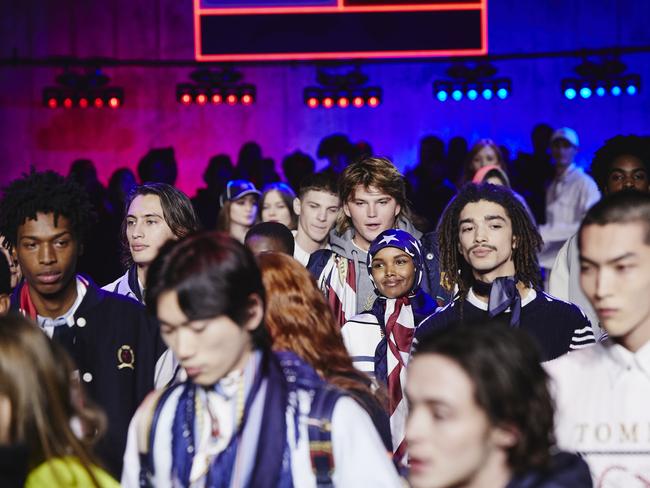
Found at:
(488, 252)
(111, 338)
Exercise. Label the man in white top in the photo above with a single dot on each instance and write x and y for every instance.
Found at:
(568, 197)
(603, 392)
(317, 206)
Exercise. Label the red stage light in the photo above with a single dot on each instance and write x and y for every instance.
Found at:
(312, 102)
(328, 102)
(113, 102)
(67, 103)
(201, 99)
(246, 99)
(52, 103)
(83, 102)
(186, 99)
(217, 99)
(373, 101)
(343, 102)
(99, 103)
(231, 99)
(357, 102)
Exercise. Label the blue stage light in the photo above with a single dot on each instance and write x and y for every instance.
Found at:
(487, 94)
(472, 94)
(457, 95)
(616, 90)
(631, 90)
(600, 91)
(442, 95)
(502, 93)
(570, 93)
(585, 92)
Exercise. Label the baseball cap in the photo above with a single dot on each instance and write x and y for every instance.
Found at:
(236, 189)
(567, 134)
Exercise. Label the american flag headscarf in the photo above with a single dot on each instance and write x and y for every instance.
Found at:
(398, 328)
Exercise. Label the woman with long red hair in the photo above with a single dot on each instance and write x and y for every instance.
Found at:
(300, 320)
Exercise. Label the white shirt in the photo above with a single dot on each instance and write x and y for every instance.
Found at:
(299, 254)
(568, 198)
(603, 411)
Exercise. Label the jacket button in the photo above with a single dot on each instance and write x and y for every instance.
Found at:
(81, 322)
(87, 377)
(429, 256)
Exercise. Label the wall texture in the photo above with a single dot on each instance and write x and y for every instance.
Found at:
(162, 30)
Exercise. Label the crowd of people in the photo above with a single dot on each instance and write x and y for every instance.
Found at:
(348, 327)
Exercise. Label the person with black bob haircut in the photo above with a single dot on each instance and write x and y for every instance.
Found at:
(245, 416)
(481, 414)
(269, 237)
(488, 253)
(113, 341)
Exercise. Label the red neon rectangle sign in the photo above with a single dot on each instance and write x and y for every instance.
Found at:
(271, 30)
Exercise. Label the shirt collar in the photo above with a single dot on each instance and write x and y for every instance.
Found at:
(478, 303)
(626, 360)
(68, 317)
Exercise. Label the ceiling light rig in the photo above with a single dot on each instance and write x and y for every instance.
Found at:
(216, 87)
(342, 90)
(87, 89)
(600, 78)
(472, 83)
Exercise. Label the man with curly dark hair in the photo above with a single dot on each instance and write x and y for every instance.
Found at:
(112, 339)
(488, 253)
(623, 163)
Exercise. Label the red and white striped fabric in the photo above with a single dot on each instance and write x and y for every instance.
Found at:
(338, 282)
(400, 330)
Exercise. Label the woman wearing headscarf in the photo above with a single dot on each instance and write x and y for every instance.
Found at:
(379, 340)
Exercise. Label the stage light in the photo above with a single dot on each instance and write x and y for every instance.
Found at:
(471, 83)
(216, 87)
(201, 99)
(341, 90)
(601, 77)
(114, 102)
(570, 93)
(81, 89)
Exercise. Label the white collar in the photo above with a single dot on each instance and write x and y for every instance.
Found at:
(478, 303)
(69, 315)
(626, 360)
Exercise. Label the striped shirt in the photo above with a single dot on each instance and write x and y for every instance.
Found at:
(556, 326)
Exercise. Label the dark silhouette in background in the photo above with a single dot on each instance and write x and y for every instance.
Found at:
(158, 166)
(206, 201)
